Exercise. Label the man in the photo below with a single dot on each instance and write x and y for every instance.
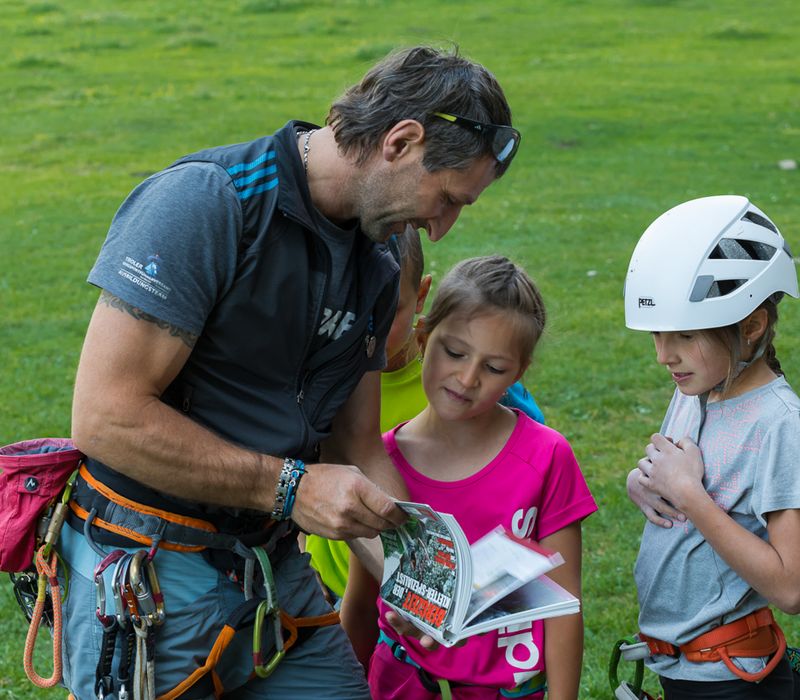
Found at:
(247, 295)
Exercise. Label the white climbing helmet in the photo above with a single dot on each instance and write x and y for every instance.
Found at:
(706, 263)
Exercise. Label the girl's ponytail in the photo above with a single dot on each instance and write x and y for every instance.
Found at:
(769, 335)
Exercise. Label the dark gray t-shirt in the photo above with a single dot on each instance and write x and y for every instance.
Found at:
(172, 250)
(339, 306)
(750, 445)
(172, 246)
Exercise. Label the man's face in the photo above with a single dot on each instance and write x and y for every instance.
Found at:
(407, 194)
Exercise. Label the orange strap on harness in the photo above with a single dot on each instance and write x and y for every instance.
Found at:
(754, 635)
(293, 623)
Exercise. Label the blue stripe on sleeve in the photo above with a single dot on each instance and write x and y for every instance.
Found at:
(242, 167)
(257, 175)
(263, 187)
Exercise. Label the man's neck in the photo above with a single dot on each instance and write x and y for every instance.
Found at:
(332, 178)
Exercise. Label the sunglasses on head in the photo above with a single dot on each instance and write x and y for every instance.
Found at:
(504, 139)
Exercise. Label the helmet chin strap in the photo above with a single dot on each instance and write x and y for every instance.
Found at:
(740, 367)
(743, 365)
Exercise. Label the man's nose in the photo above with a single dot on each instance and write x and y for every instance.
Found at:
(438, 227)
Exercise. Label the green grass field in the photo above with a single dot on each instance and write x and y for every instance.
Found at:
(626, 108)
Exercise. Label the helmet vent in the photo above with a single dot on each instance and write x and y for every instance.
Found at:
(733, 249)
(760, 221)
(722, 288)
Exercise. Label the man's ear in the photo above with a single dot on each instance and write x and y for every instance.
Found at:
(402, 138)
(422, 293)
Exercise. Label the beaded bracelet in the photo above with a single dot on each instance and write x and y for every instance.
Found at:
(286, 490)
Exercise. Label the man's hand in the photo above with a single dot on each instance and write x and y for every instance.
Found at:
(338, 502)
(656, 509)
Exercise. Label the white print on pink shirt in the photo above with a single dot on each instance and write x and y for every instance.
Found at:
(523, 526)
(521, 651)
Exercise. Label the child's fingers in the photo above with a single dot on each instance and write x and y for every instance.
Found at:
(654, 517)
(661, 443)
(688, 445)
(405, 628)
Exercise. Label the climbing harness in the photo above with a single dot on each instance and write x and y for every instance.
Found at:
(751, 636)
(754, 635)
(443, 687)
(134, 606)
(129, 603)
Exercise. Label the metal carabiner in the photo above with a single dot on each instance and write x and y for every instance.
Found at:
(116, 590)
(268, 606)
(261, 669)
(129, 601)
(100, 588)
(100, 598)
(144, 582)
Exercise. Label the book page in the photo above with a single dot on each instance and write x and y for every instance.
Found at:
(537, 599)
(502, 563)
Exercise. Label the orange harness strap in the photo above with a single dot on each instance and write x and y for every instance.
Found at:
(756, 634)
(222, 642)
(292, 623)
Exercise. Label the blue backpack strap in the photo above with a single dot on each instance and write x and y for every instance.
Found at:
(517, 396)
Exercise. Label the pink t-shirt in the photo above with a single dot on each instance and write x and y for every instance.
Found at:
(534, 487)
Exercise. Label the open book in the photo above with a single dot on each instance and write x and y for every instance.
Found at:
(451, 590)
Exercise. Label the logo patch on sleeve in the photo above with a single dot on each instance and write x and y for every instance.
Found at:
(145, 275)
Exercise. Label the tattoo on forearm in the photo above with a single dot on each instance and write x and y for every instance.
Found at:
(115, 302)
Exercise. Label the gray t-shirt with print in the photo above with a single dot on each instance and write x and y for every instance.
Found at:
(749, 445)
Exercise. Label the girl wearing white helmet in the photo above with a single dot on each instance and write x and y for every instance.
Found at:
(705, 279)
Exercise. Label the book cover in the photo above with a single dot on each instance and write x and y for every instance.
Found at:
(421, 565)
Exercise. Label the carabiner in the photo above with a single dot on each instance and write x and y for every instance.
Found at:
(100, 599)
(261, 669)
(146, 588)
(624, 646)
(116, 590)
(268, 606)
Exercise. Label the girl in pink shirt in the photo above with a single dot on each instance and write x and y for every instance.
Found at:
(487, 465)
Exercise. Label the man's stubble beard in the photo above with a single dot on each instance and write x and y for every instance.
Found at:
(378, 219)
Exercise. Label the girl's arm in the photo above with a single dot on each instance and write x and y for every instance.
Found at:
(359, 612)
(675, 472)
(563, 636)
